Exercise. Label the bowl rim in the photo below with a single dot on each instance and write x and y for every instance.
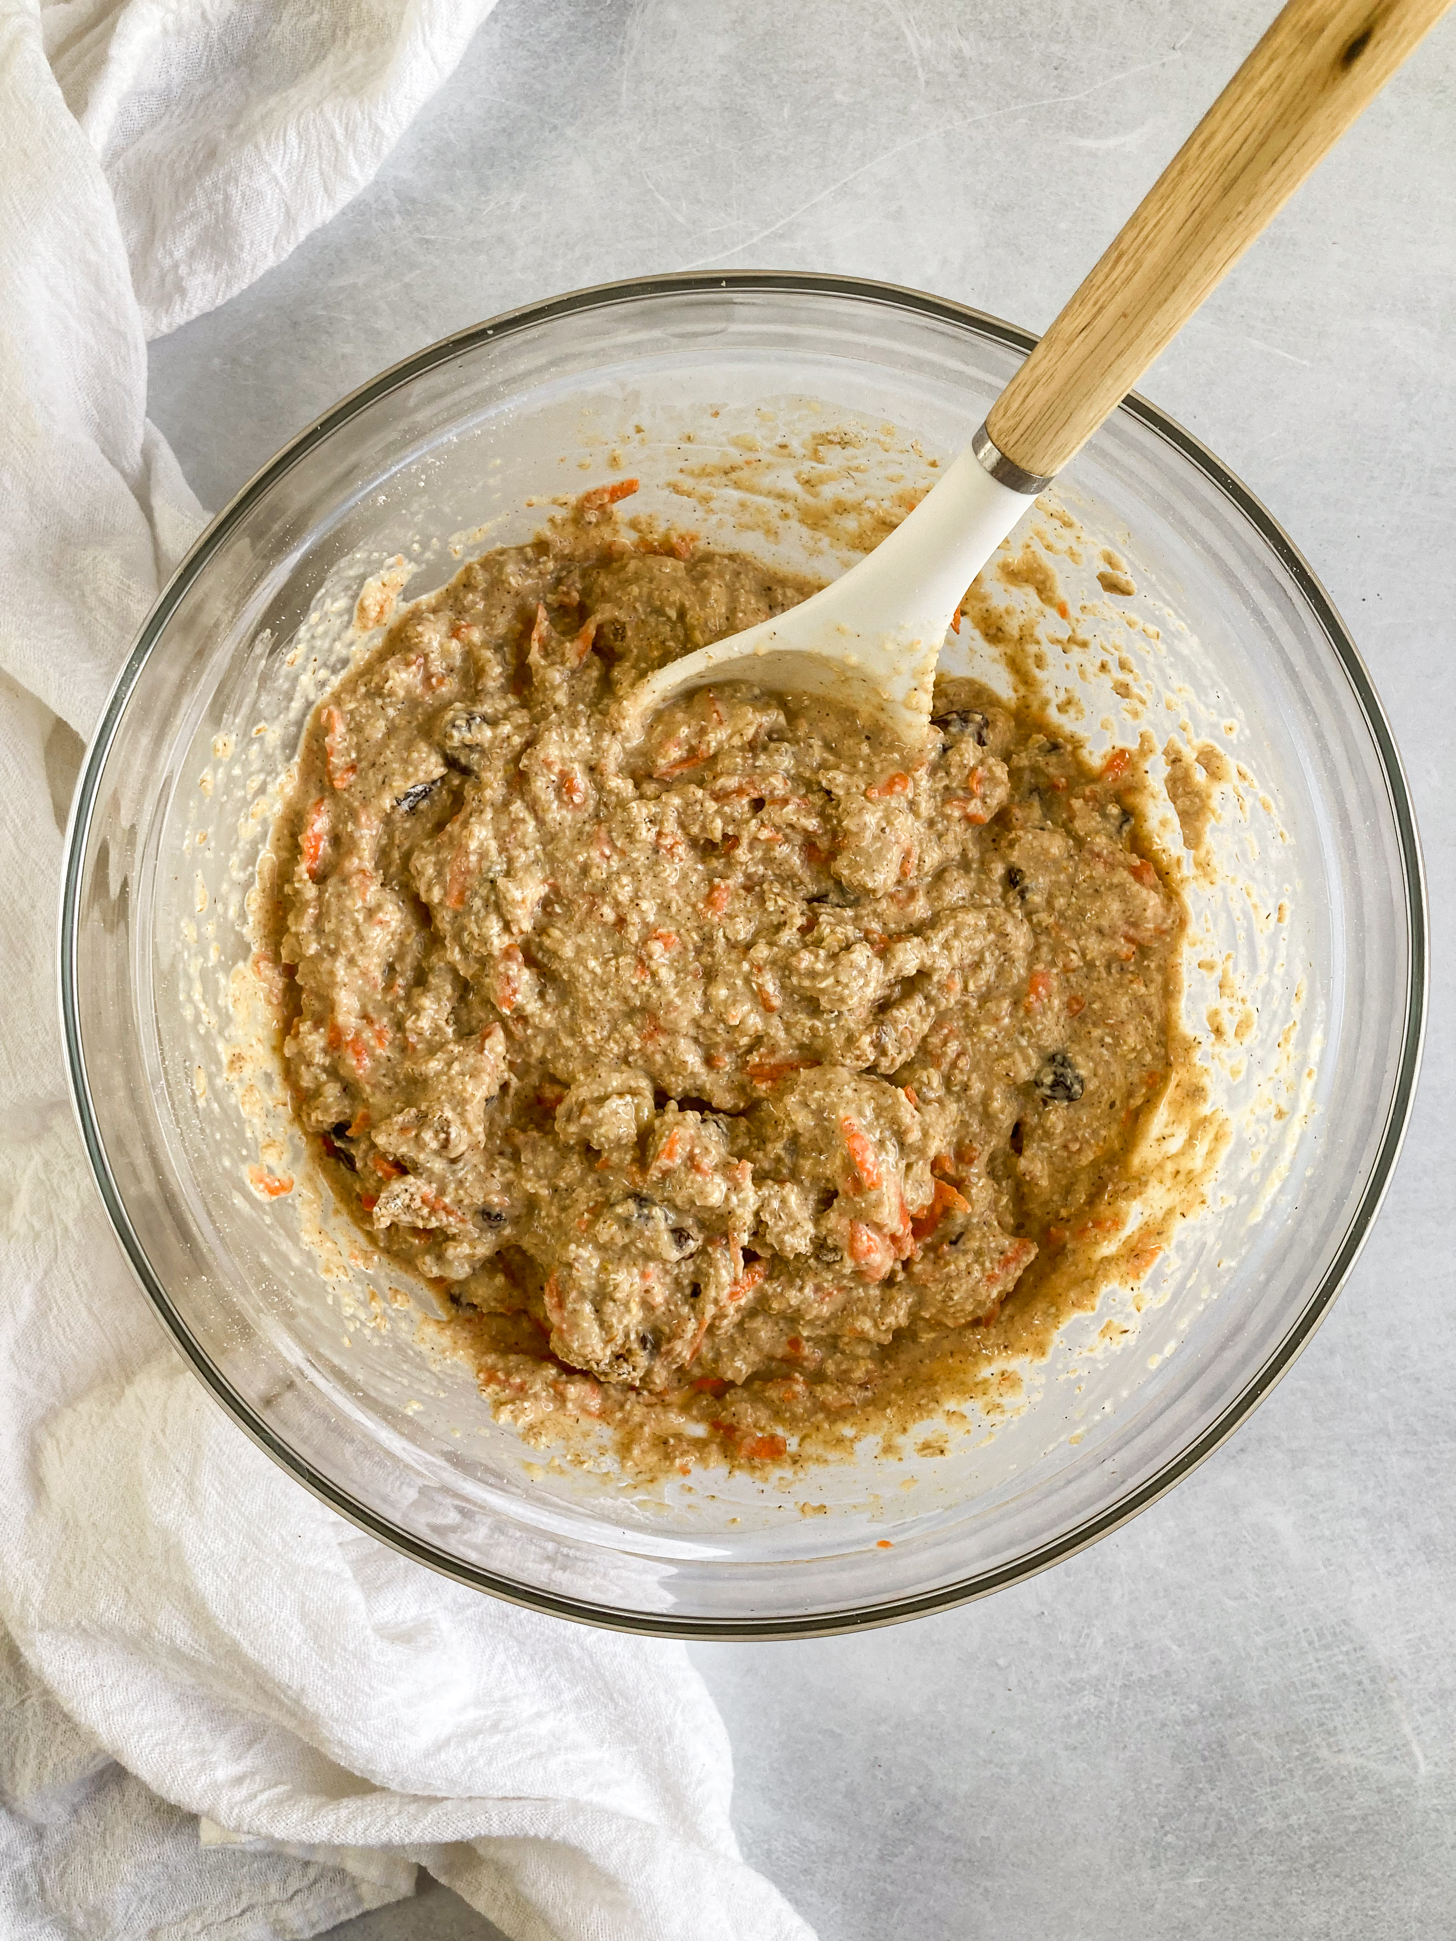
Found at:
(981, 1583)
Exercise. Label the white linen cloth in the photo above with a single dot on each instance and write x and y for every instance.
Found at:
(223, 1711)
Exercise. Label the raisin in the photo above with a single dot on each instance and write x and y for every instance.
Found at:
(465, 737)
(684, 1242)
(330, 1142)
(963, 722)
(1059, 1082)
(492, 1216)
(414, 796)
(1016, 880)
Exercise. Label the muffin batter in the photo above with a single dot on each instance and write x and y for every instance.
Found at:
(715, 1077)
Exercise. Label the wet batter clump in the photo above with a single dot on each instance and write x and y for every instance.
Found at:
(720, 1080)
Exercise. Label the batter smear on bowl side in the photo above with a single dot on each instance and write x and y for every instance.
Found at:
(727, 1085)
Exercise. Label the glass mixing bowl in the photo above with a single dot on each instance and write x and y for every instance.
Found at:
(1313, 926)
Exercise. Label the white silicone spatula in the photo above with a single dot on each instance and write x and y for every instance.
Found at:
(872, 638)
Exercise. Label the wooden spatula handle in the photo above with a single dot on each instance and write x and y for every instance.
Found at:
(1314, 71)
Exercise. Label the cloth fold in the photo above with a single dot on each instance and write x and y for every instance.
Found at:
(227, 133)
(223, 1710)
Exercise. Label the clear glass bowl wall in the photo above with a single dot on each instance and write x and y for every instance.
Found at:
(462, 437)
